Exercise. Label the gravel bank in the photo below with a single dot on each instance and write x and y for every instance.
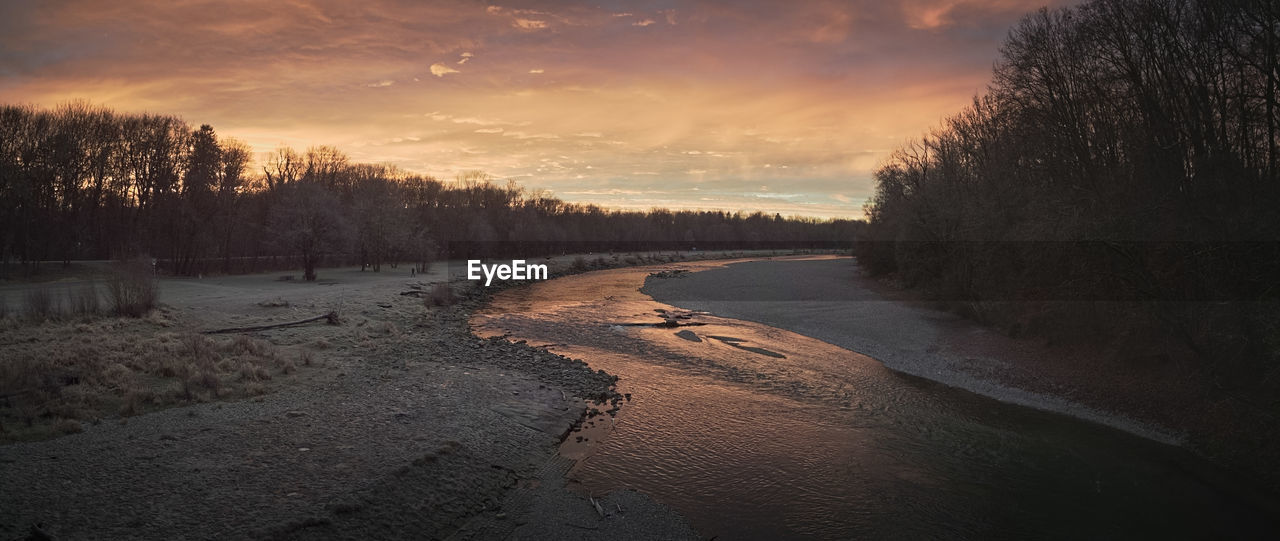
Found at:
(826, 299)
(409, 427)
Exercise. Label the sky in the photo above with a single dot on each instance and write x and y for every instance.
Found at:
(748, 105)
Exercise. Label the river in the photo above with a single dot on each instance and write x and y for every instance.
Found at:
(754, 432)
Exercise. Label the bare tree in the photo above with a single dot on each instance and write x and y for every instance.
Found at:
(309, 223)
(282, 167)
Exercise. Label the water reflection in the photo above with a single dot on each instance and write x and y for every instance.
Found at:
(754, 432)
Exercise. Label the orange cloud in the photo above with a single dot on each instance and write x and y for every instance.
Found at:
(529, 24)
(804, 97)
(440, 70)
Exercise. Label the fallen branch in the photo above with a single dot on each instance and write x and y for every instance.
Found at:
(331, 317)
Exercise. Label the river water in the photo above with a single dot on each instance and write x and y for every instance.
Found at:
(753, 432)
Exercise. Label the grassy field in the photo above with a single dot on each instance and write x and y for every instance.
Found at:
(60, 374)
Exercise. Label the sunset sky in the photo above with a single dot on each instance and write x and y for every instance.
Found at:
(739, 105)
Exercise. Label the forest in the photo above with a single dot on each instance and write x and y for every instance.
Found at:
(83, 182)
(1118, 183)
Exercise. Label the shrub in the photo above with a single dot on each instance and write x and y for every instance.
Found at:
(208, 379)
(131, 405)
(441, 295)
(255, 389)
(40, 304)
(133, 288)
(253, 372)
(244, 345)
(68, 426)
(84, 301)
(200, 349)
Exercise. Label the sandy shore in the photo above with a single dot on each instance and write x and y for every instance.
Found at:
(828, 300)
(405, 426)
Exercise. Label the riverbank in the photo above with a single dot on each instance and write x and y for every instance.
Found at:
(833, 302)
(401, 424)
(756, 432)
(827, 300)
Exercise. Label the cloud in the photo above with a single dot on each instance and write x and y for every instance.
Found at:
(471, 120)
(524, 135)
(928, 15)
(617, 191)
(529, 24)
(478, 121)
(440, 70)
(836, 29)
(743, 84)
(939, 14)
(643, 22)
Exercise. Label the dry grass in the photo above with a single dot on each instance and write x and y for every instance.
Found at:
(68, 426)
(133, 289)
(441, 295)
(56, 375)
(39, 304)
(385, 328)
(277, 302)
(84, 301)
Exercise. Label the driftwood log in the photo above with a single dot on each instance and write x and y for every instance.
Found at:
(331, 318)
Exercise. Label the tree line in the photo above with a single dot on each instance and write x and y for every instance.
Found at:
(85, 182)
(1124, 158)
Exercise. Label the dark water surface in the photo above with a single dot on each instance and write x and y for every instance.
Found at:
(753, 432)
